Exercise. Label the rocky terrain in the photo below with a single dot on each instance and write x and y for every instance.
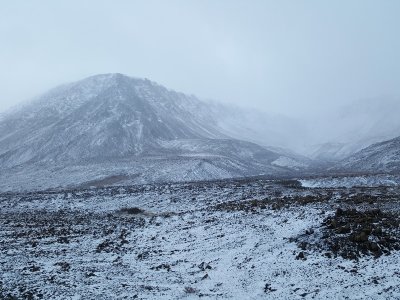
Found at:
(247, 239)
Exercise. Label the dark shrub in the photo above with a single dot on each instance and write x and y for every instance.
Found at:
(132, 210)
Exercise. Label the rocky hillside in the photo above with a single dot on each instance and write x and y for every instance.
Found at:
(379, 157)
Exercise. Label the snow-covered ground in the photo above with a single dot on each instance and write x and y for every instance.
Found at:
(352, 181)
(222, 239)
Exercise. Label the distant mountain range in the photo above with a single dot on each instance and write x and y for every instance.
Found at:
(112, 128)
(115, 129)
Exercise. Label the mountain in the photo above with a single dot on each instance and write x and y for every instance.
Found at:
(101, 117)
(379, 157)
(114, 128)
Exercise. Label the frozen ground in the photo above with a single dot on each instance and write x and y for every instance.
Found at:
(253, 239)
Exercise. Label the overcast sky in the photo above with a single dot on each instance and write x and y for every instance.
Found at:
(281, 56)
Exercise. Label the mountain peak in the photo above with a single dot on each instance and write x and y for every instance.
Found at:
(108, 77)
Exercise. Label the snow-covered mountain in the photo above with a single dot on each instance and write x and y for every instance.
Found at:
(101, 117)
(379, 157)
(113, 124)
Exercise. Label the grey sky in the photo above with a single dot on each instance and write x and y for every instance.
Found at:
(281, 56)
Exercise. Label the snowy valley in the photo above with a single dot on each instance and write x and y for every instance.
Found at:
(115, 187)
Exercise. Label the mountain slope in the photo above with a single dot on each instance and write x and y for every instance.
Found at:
(379, 157)
(114, 125)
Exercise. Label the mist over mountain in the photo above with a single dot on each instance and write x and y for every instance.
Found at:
(261, 127)
(354, 127)
(327, 136)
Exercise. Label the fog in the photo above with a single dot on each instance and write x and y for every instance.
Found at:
(302, 59)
